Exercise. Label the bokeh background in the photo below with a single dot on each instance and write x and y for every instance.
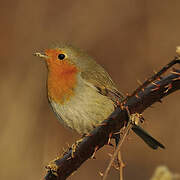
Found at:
(130, 38)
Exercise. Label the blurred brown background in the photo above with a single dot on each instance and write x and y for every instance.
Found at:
(129, 38)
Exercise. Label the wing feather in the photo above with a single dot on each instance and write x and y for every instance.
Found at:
(102, 81)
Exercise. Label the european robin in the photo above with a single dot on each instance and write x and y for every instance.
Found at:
(80, 91)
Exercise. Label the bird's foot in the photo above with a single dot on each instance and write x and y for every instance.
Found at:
(136, 118)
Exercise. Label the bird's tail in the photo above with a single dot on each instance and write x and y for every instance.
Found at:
(148, 139)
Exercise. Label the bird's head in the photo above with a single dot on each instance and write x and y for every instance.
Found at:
(63, 68)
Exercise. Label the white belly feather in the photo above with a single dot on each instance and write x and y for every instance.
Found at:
(84, 110)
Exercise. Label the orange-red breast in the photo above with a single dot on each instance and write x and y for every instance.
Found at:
(81, 93)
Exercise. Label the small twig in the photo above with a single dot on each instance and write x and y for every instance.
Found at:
(121, 165)
(117, 150)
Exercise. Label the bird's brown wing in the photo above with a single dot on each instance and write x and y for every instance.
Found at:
(100, 79)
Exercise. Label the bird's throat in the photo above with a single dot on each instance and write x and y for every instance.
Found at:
(62, 80)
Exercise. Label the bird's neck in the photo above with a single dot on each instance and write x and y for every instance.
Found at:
(62, 80)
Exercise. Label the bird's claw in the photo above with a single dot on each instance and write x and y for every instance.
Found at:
(136, 118)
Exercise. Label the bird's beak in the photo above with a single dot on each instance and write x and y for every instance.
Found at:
(38, 54)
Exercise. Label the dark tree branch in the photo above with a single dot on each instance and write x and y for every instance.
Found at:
(157, 75)
(65, 165)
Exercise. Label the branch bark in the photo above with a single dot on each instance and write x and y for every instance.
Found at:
(64, 166)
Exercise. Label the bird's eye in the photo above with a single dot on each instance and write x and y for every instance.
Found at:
(61, 56)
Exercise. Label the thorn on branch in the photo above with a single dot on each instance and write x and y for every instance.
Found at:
(169, 86)
(137, 96)
(110, 135)
(139, 82)
(175, 79)
(101, 174)
(175, 72)
(157, 85)
(160, 101)
(95, 150)
(154, 89)
(102, 124)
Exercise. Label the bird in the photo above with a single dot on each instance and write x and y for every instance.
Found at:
(81, 92)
